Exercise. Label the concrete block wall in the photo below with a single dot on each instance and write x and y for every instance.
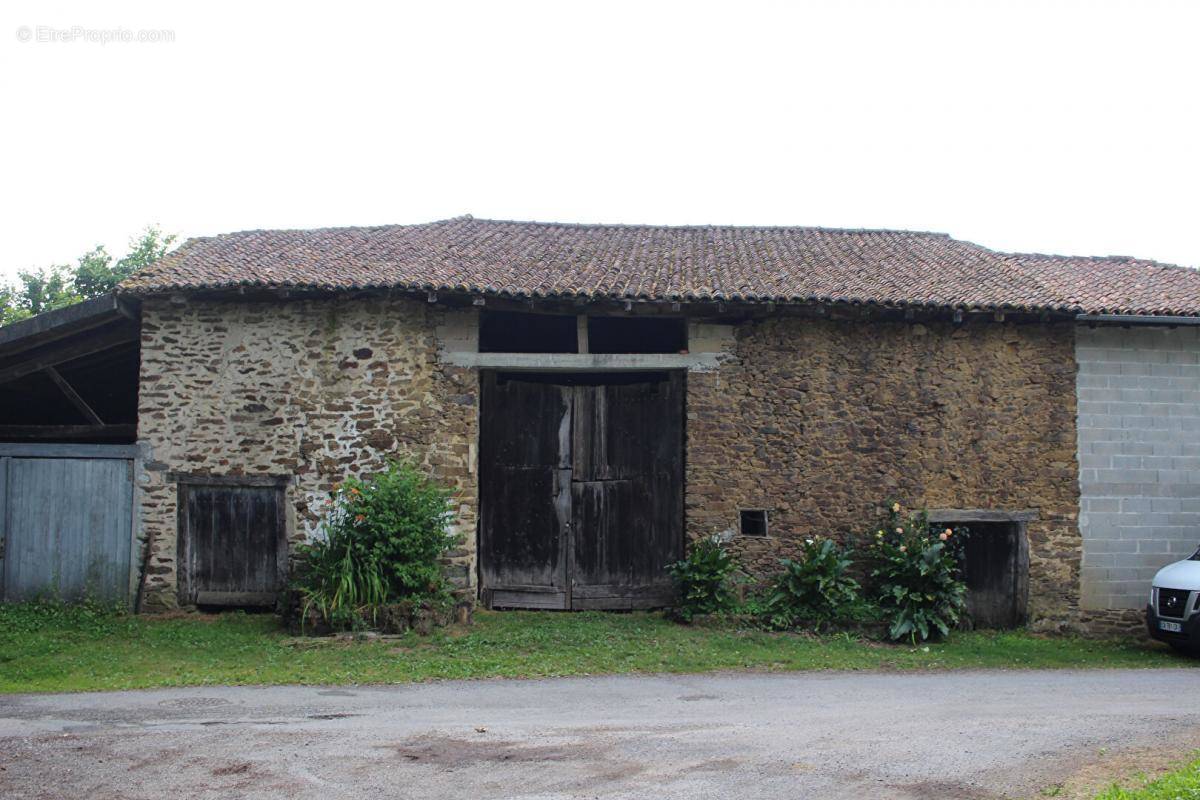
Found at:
(1139, 457)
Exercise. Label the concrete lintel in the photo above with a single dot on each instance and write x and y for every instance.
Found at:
(591, 362)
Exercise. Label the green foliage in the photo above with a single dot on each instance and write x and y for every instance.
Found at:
(338, 583)
(64, 649)
(920, 591)
(95, 274)
(702, 579)
(88, 617)
(813, 590)
(1181, 784)
(37, 291)
(384, 537)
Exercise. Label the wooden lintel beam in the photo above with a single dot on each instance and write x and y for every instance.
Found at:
(25, 432)
(73, 396)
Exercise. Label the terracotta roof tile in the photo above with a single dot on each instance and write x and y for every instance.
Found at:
(532, 259)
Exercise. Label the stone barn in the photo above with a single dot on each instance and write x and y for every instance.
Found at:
(598, 395)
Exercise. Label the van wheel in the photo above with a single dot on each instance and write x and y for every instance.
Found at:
(1185, 649)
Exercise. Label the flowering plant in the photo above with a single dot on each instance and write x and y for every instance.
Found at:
(919, 586)
(813, 589)
(383, 538)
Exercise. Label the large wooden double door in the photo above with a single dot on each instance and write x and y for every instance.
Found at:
(581, 489)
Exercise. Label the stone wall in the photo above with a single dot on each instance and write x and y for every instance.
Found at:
(315, 389)
(818, 420)
(1139, 460)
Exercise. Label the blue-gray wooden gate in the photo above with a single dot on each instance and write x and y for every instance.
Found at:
(66, 522)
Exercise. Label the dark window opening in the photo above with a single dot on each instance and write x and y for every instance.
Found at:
(637, 334)
(652, 380)
(516, 332)
(995, 568)
(753, 522)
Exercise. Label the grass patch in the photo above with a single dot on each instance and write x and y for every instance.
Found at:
(69, 648)
(1182, 784)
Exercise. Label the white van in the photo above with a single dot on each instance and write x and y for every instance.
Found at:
(1173, 615)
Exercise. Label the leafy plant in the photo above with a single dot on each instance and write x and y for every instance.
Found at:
(384, 536)
(920, 591)
(702, 579)
(95, 274)
(814, 589)
(337, 583)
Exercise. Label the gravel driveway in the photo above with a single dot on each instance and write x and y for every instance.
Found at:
(820, 735)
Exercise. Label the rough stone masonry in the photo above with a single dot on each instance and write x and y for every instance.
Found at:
(314, 390)
(816, 420)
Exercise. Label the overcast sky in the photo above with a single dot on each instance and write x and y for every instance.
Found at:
(1048, 126)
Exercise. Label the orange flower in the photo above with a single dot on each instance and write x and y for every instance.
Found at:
(359, 518)
(354, 491)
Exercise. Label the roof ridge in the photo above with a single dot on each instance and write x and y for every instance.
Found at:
(1116, 259)
(707, 226)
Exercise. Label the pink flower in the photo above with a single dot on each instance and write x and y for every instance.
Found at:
(943, 536)
(899, 530)
(903, 549)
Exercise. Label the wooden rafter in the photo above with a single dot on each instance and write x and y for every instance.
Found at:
(74, 397)
(61, 355)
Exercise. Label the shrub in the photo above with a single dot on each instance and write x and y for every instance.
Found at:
(813, 590)
(919, 588)
(338, 582)
(384, 536)
(702, 579)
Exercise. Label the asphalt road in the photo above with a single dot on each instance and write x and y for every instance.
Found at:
(817, 735)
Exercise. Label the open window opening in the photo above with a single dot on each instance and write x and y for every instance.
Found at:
(752, 522)
(637, 335)
(517, 332)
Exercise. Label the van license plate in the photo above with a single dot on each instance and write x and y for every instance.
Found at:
(1173, 627)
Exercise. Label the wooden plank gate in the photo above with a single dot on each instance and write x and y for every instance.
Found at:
(66, 522)
(232, 540)
(581, 488)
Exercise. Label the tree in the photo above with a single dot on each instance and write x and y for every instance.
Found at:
(95, 275)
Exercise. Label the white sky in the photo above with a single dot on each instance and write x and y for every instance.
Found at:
(1048, 126)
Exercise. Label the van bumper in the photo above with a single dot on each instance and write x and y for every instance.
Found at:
(1189, 636)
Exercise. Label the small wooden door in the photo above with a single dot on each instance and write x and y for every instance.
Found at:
(581, 489)
(232, 544)
(995, 568)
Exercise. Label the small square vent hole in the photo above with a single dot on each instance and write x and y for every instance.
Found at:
(753, 522)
